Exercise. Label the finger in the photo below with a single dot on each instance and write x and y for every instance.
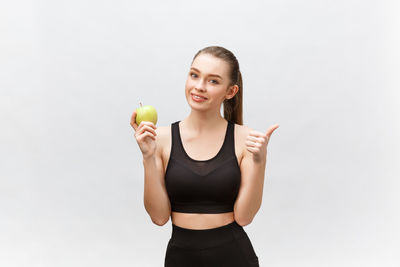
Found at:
(256, 139)
(253, 150)
(133, 120)
(149, 123)
(253, 144)
(272, 129)
(146, 128)
(256, 133)
(145, 123)
(143, 136)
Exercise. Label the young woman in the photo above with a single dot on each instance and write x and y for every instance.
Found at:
(206, 171)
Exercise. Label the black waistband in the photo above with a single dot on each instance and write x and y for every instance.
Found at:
(205, 238)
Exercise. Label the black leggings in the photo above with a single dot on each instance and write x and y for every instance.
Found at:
(223, 246)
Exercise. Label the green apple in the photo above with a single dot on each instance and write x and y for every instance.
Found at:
(146, 113)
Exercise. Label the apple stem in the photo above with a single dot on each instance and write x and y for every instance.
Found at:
(140, 103)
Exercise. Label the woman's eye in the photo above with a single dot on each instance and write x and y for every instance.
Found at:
(194, 75)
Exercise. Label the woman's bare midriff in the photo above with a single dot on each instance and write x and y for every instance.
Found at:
(201, 221)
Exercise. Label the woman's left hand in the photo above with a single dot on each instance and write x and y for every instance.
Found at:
(256, 143)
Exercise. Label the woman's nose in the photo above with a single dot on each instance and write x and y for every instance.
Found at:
(200, 86)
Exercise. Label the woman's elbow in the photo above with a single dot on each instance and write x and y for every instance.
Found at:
(243, 221)
(160, 222)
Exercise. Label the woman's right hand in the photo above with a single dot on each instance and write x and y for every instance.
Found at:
(145, 135)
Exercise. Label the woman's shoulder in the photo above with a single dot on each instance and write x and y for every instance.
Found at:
(163, 132)
(163, 138)
(242, 130)
(241, 133)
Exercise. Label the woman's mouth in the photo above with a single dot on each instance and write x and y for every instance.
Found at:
(198, 98)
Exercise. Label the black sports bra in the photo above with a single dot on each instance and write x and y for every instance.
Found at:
(202, 186)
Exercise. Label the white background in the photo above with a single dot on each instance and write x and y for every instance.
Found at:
(72, 72)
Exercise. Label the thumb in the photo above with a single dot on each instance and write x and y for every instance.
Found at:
(272, 129)
(133, 120)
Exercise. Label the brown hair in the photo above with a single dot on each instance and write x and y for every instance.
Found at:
(233, 108)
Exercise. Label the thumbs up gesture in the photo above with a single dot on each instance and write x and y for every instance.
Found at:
(256, 143)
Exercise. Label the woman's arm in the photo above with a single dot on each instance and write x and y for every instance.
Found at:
(156, 199)
(252, 169)
(250, 194)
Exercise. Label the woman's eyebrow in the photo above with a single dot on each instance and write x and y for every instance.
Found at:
(208, 75)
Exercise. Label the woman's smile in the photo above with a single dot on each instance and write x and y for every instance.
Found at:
(198, 98)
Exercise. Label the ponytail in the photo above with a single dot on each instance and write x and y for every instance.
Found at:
(233, 108)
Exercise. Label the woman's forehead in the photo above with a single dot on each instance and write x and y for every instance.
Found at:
(208, 64)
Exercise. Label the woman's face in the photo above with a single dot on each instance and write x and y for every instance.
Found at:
(208, 77)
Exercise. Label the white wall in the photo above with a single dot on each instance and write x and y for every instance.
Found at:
(72, 72)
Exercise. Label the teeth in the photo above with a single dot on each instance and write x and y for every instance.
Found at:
(198, 97)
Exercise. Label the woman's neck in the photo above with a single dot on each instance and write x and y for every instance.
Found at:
(201, 122)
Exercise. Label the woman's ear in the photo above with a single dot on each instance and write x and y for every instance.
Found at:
(232, 91)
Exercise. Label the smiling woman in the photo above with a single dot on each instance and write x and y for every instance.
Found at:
(206, 172)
